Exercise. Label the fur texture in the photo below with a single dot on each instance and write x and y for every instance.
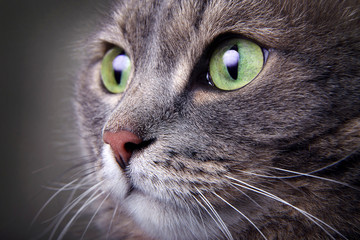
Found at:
(276, 159)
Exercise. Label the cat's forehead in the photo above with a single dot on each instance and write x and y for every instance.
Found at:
(170, 30)
(178, 25)
(183, 21)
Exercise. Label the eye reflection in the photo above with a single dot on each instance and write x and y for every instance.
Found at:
(231, 61)
(120, 63)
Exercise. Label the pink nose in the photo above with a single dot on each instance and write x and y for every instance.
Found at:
(122, 144)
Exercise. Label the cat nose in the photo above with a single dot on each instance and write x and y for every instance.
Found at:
(122, 144)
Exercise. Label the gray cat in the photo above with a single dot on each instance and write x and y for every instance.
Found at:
(223, 119)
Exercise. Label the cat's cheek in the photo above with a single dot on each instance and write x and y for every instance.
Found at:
(114, 181)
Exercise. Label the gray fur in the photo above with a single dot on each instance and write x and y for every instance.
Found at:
(300, 114)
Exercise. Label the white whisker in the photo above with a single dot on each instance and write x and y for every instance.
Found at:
(224, 228)
(211, 215)
(299, 174)
(65, 211)
(50, 199)
(336, 162)
(42, 169)
(248, 197)
(85, 205)
(92, 218)
(202, 220)
(78, 185)
(81, 184)
(70, 199)
(309, 216)
(112, 219)
(71, 206)
(251, 222)
(272, 196)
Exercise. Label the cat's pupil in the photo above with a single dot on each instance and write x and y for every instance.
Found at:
(231, 60)
(120, 63)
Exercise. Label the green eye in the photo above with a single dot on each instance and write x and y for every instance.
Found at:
(115, 70)
(235, 63)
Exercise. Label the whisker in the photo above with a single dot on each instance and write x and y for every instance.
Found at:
(83, 173)
(219, 219)
(48, 229)
(58, 218)
(77, 167)
(92, 218)
(248, 197)
(71, 206)
(242, 214)
(299, 174)
(78, 158)
(111, 222)
(53, 164)
(202, 220)
(70, 188)
(336, 162)
(82, 183)
(210, 214)
(85, 205)
(70, 199)
(50, 199)
(36, 171)
(310, 174)
(272, 196)
(309, 216)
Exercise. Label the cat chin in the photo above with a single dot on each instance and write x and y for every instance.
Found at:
(165, 221)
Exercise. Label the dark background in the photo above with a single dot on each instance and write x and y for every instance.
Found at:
(38, 42)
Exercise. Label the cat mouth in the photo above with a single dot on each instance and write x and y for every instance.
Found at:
(120, 161)
(131, 190)
(135, 192)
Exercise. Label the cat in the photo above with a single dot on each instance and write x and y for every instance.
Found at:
(222, 119)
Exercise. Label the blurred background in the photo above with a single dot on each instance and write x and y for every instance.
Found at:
(38, 41)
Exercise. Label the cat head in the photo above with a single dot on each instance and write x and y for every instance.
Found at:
(188, 153)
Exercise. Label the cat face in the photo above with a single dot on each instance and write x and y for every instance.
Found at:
(180, 153)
